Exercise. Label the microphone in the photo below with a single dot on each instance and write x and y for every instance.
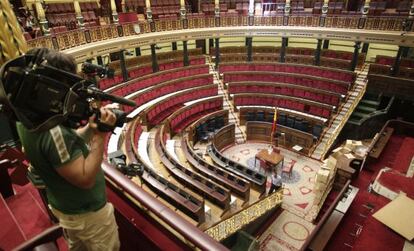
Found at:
(95, 92)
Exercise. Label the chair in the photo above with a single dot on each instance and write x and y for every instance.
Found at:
(263, 165)
(288, 168)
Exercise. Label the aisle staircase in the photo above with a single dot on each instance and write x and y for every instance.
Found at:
(233, 118)
(366, 106)
(344, 112)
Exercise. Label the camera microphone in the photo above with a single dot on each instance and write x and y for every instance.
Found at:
(97, 93)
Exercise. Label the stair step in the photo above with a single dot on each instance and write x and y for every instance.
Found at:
(366, 109)
(353, 121)
(360, 114)
(368, 102)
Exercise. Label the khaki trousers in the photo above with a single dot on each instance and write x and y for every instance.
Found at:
(90, 231)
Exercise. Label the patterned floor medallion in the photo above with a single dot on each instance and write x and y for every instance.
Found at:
(287, 233)
(292, 227)
(302, 175)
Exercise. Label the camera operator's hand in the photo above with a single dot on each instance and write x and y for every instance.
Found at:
(106, 117)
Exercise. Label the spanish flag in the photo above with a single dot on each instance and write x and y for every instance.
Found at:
(274, 122)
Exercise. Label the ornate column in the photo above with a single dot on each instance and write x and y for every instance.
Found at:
(365, 47)
(251, 12)
(155, 66)
(364, 12)
(123, 6)
(405, 52)
(324, 13)
(217, 45)
(186, 61)
(408, 23)
(217, 13)
(183, 14)
(325, 44)
(123, 65)
(249, 44)
(149, 15)
(396, 66)
(318, 52)
(78, 12)
(286, 13)
(12, 42)
(283, 49)
(114, 12)
(99, 60)
(355, 56)
(42, 17)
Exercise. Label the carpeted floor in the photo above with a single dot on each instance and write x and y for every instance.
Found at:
(291, 228)
(288, 232)
(298, 189)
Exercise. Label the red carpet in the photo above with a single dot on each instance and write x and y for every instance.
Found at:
(389, 154)
(373, 234)
(28, 213)
(405, 154)
(11, 234)
(376, 236)
(397, 182)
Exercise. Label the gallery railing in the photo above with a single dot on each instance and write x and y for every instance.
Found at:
(73, 38)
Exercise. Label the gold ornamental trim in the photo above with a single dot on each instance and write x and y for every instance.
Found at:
(225, 228)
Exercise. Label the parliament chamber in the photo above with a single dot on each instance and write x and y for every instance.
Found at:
(227, 93)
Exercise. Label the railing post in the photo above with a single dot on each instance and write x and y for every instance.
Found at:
(354, 61)
(154, 60)
(318, 52)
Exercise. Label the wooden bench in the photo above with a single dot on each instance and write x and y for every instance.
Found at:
(381, 142)
(174, 195)
(210, 190)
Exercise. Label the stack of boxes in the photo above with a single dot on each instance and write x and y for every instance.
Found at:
(324, 180)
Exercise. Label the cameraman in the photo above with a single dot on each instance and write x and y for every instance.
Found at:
(69, 162)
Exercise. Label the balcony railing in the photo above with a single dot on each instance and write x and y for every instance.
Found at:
(73, 38)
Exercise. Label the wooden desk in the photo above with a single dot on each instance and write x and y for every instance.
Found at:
(381, 143)
(272, 157)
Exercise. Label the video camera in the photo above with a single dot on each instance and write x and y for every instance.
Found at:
(41, 96)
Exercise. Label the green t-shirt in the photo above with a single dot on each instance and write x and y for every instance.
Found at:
(48, 151)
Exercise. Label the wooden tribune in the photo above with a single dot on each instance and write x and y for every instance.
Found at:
(273, 158)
